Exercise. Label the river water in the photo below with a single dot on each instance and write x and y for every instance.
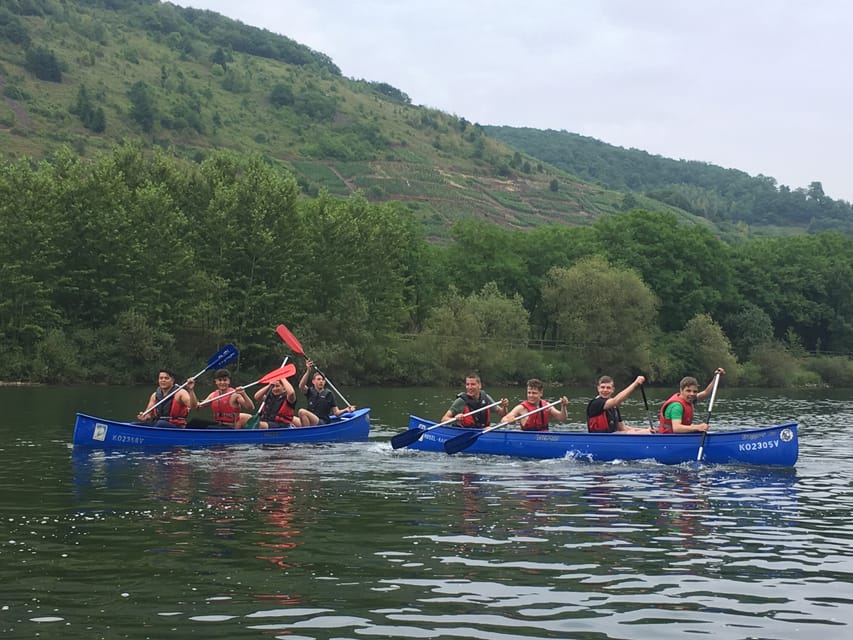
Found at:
(360, 541)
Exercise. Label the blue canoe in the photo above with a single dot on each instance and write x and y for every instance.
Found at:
(90, 431)
(773, 446)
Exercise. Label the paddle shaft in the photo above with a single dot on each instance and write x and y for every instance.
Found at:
(708, 419)
(648, 413)
(275, 374)
(407, 437)
(460, 442)
(204, 403)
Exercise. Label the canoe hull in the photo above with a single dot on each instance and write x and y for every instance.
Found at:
(773, 446)
(90, 431)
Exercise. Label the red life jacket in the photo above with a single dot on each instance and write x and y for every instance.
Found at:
(223, 411)
(665, 423)
(176, 413)
(600, 423)
(478, 420)
(536, 421)
(278, 409)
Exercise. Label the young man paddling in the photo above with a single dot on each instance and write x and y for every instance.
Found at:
(174, 411)
(227, 402)
(676, 414)
(602, 412)
(536, 421)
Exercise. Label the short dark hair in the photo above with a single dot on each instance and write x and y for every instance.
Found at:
(222, 373)
(688, 381)
(169, 372)
(536, 383)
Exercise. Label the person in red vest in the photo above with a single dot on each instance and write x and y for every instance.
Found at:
(536, 421)
(227, 409)
(602, 412)
(676, 413)
(173, 412)
(279, 399)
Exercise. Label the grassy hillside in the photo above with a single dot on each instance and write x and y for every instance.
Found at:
(90, 74)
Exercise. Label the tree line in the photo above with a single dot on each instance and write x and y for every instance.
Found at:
(133, 260)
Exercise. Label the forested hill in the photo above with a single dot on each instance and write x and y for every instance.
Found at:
(723, 196)
(93, 73)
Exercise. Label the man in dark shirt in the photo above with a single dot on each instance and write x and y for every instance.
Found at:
(321, 401)
(602, 412)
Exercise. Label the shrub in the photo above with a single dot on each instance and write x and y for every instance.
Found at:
(833, 370)
(43, 64)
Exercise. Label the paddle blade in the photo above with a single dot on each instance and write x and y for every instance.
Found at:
(277, 374)
(461, 442)
(253, 422)
(405, 438)
(289, 339)
(226, 354)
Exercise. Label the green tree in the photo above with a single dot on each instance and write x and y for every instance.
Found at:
(608, 314)
(281, 95)
(142, 105)
(688, 268)
(220, 57)
(697, 350)
(484, 331)
(749, 327)
(357, 306)
(480, 253)
(30, 224)
(804, 284)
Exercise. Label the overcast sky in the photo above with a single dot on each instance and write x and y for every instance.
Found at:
(759, 85)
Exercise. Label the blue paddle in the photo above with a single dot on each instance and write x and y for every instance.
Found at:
(407, 437)
(218, 360)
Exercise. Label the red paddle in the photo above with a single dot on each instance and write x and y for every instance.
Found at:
(276, 374)
(290, 340)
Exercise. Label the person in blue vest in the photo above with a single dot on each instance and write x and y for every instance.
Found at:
(602, 412)
(470, 400)
(322, 404)
(539, 420)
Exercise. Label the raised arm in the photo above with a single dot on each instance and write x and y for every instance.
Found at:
(303, 381)
(619, 398)
(707, 390)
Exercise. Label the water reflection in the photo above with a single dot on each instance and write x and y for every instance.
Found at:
(354, 541)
